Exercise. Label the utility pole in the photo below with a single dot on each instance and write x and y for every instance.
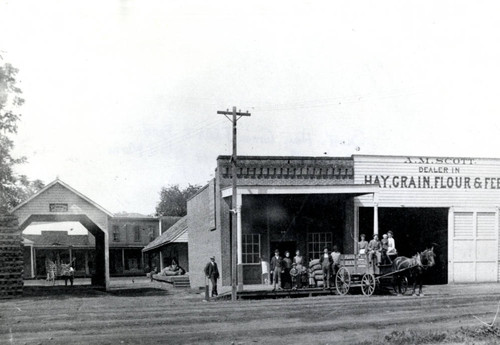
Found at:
(235, 249)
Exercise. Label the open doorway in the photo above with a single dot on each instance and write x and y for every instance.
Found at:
(415, 229)
(284, 246)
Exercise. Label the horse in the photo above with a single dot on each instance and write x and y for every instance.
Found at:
(413, 267)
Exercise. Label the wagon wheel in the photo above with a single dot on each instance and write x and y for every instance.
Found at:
(404, 285)
(342, 281)
(368, 284)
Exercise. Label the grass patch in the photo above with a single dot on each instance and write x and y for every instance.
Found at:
(465, 335)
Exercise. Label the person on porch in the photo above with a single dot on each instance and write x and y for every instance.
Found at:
(276, 269)
(326, 262)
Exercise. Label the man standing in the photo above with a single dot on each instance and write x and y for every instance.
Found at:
(212, 273)
(276, 266)
(287, 266)
(326, 262)
(336, 260)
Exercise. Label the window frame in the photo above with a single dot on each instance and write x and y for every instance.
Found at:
(244, 245)
(137, 233)
(322, 240)
(116, 233)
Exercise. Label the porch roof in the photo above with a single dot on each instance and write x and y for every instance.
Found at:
(172, 234)
(355, 189)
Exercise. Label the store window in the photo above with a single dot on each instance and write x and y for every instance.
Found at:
(316, 242)
(137, 234)
(116, 233)
(251, 249)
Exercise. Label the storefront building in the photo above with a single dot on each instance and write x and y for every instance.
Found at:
(451, 202)
(308, 203)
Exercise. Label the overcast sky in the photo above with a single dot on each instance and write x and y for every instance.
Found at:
(121, 96)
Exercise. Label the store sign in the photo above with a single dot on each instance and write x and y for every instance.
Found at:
(435, 173)
(58, 207)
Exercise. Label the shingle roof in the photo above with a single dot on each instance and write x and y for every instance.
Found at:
(174, 232)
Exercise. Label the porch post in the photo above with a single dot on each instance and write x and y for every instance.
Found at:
(33, 262)
(239, 239)
(161, 260)
(123, 261)
(87, 270)
(356, 228)
(375, 219)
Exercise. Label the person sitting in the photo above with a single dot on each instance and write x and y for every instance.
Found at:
(384, 242)
(362, 245)
(391, 250)
(374, 248)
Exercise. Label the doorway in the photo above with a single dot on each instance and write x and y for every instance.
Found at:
(415, 229)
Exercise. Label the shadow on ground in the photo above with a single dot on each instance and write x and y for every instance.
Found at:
(62, 292)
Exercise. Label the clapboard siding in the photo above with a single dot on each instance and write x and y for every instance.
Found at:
(367, 167)
(59, 194)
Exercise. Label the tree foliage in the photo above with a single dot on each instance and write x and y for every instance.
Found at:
(173, 200)
(13, 189)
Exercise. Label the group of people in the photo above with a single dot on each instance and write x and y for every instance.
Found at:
(286, 272)
(294, 274)
(378, 251)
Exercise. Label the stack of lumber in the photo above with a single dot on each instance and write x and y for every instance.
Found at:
(11, 258)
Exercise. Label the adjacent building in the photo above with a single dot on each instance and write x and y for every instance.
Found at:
(62, 225)
(170, 246)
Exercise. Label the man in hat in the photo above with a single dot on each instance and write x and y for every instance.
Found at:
(326, 262)
(276, 266)
(212, 273)
(374, 248)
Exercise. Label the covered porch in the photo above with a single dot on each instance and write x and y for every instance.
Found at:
(290, 218)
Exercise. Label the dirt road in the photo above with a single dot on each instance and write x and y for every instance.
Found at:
(174, 317)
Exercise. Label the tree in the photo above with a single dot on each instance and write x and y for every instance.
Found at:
(173, 200)
(13, 189)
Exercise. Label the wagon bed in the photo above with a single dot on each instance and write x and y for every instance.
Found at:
(356, 272)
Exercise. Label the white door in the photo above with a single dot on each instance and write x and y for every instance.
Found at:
(474, 246)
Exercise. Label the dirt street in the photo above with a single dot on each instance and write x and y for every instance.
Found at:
(146, 316)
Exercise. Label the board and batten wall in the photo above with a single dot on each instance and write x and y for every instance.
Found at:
(468, 187)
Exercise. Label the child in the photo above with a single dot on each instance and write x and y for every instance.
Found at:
(294, 274)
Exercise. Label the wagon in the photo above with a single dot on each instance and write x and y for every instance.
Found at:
(356, 272)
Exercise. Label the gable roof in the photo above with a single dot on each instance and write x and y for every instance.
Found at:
(72, 190)
(170, 235)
